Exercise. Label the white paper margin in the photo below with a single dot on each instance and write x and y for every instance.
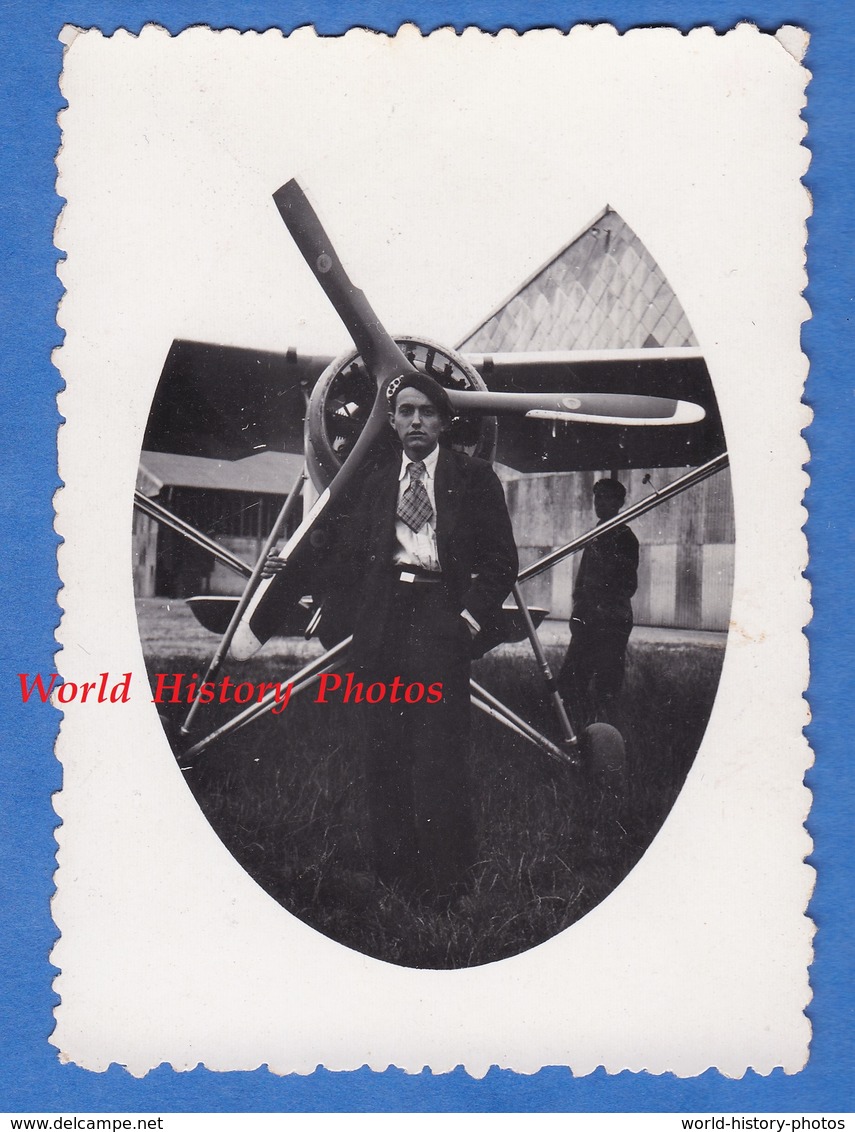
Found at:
(448, 168)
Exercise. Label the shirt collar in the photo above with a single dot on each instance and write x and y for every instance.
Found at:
(429, 463)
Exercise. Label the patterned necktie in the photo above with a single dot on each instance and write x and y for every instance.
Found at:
(414, 508)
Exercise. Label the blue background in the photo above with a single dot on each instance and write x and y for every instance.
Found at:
(31, 1078)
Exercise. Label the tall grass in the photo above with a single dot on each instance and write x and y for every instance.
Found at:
(286, 797)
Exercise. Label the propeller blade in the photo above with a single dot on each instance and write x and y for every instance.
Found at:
(383, 359)
(583, 408)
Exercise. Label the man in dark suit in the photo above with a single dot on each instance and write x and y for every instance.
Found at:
(426, 556)
(601, 620)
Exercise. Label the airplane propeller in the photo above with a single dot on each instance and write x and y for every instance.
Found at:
(380, 353)
(383, 358)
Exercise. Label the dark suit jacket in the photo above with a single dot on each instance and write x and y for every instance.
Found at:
(606, 581)
(475, 544)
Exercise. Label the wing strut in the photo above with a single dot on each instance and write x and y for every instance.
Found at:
(695, 476)
(334, 658)
(569, 738)
(306, 676)
(287, 510)
(161, 514)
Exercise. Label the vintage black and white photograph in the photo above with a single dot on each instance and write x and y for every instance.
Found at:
(374, 807)
(442, 618)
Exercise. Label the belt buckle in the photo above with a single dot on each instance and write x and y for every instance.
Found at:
(407, 576)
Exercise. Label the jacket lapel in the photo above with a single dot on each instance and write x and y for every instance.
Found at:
(447, 500)
(385, 510)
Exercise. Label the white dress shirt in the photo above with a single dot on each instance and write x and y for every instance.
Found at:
(418, 548)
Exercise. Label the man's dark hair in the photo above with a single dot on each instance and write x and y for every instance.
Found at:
(427, 385)
(611, 487)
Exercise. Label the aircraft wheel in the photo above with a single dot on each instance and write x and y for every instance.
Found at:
(604, 753)
(604, 787)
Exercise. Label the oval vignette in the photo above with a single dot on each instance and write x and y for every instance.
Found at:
(285, 794)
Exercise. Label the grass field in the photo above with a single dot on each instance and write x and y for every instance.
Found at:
(285, 796)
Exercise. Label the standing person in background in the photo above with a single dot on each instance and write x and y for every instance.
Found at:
(601, 619)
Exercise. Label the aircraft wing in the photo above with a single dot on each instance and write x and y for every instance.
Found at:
(531, 445)
(227, 402)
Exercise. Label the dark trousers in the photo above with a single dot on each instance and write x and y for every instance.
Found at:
(592, 673)
(419, 792)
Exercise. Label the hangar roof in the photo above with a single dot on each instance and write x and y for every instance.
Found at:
(602, 291)
(271, 473)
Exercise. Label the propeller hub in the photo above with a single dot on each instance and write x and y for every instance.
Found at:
(345, 393)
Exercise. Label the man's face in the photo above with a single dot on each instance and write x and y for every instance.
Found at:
(418, 423)
(607, 503)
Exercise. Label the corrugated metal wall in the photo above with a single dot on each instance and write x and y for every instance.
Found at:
(685, 575)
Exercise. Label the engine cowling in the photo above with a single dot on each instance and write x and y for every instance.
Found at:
(344, 394)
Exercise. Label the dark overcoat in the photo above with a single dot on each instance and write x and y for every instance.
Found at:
(475, 544)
